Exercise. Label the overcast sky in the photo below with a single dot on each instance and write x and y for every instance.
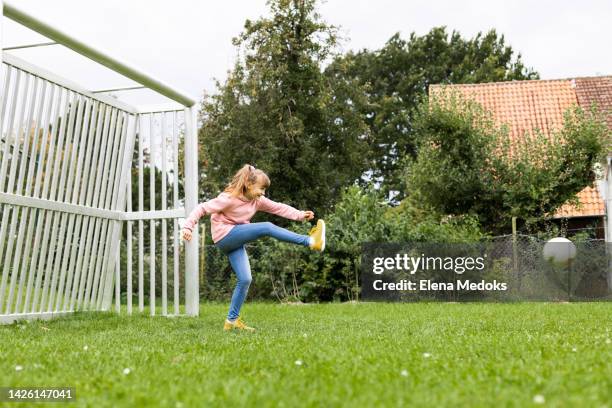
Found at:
(187, 43)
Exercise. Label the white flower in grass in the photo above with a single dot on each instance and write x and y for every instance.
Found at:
(404, 373)
(298, 362)
(539, 399)
(574, 349)
(85, 348)
(608, 341)
(305, 335)
(126, 371)
(18, 368)
(426, 355)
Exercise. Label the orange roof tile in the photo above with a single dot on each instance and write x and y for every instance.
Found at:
(597, 90)
(540, 104)
(591, 204)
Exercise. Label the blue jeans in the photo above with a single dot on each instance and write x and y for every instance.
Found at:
(233, 246)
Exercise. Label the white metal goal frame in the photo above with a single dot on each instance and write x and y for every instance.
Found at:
(67, 159)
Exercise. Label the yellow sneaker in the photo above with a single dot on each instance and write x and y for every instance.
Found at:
(318, 235)
(238, 324)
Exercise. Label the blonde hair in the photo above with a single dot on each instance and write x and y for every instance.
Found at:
(244, 178)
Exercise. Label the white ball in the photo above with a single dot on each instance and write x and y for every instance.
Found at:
(559, 251)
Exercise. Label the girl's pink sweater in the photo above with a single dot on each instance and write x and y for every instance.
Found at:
(227, 211)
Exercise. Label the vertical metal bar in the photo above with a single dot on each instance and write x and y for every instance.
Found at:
(108, 258)
(26, 211)
(11, 120)
(152, 208)
(140, 222)
(87, 187)
(99, 223)
(119, 200)
(1, 52)
(6, 84)
(3, 99)
(93, 193)
(114, 237)
(102, 259)
(114, 233)
(75, 137)
(115, 227)
(6, 208)
(164, 226)
(31, 177)
(49, 183)
(31, 98)
(79, 145)
(26, 139)
(15, 156)
(43, 158)
(59, 221)
(191, 200)
(176, 205)
(118, 280)
(79, 196)
(122, 181)
(129, 243)
(9, 189)
(54, 189)
(608, 220)
(84, 224)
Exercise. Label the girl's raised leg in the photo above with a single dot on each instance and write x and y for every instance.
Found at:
(243, 233)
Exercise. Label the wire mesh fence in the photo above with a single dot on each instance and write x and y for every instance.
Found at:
(585, 277)
(504, 268)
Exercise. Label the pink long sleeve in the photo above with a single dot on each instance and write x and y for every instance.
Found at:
(216, 205)
(226, 212)
(283, 210)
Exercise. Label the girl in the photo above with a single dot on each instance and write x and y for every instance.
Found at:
(230, 215)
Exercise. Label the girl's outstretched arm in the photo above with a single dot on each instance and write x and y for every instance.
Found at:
(215, 205)
(283, 210)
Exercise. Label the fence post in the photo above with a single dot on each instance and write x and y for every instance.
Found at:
(515, 254)
(202, 255)
(124, 175)
(1, 52)
(608, 219)
(192, 296)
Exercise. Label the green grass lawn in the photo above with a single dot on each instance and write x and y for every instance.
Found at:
(358, 355)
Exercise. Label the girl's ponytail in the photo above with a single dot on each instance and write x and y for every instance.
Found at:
(246, 173)
(245, 177)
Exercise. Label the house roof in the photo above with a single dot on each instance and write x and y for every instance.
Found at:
(591, 204)
(540, 104)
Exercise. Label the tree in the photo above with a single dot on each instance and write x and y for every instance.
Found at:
(397, 76)
(467, 165)
(279, 112)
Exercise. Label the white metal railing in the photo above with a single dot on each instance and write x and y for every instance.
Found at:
(66, 165)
